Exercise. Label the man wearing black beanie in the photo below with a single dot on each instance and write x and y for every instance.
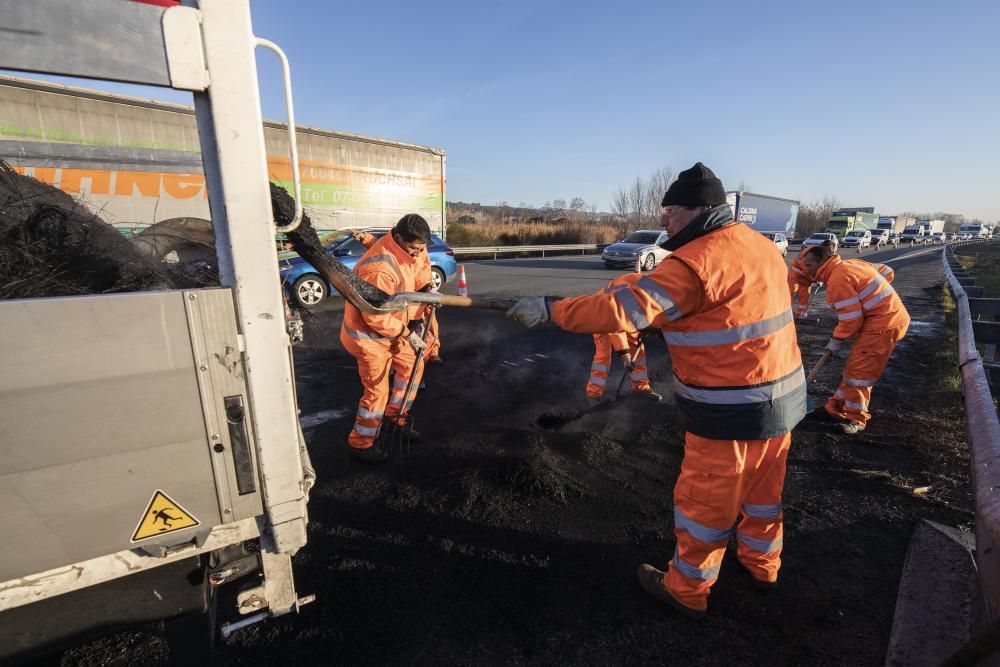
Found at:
(722, 303)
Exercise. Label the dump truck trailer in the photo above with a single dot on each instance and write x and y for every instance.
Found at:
(150, 448)
(138, 161)
(764, 212)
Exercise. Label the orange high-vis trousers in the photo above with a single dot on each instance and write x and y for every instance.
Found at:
(601, 365)
(865, 365)
(722, 481)
(378, 400)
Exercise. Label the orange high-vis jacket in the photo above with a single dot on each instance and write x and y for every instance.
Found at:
(722, 303)
(861, 295)
(386, 266)
(426, 277)
(798, 280)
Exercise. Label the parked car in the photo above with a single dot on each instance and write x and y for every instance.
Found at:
(857, 238)
(893, 239)
(949, 236)
(642, 246)
(308, 289)
(937, 237)
(780, 240)
(821, 237)
(880, 237)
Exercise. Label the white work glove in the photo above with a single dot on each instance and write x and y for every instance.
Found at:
(840, 348)
(626, 359)
(416, 341)
(530, 311)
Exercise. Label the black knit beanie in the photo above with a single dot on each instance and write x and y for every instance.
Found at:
(696, 186)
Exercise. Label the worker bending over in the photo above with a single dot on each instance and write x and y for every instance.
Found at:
(432, 354)
(870, 313)
(720, 299)
(390, 340)
(800, 284)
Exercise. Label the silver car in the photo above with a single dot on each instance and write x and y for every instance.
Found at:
(821, 237)
(642, 246)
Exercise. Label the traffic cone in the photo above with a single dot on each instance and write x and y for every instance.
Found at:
(463, 287)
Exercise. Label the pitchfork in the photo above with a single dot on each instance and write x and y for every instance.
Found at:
(401, 431)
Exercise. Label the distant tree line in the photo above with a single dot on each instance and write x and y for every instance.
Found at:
(635, 205)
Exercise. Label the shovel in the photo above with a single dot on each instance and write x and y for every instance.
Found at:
(554, 421)
(810, 404)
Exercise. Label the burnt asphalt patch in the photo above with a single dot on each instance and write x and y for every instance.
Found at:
(501, 542)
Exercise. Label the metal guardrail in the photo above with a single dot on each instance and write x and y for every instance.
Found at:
(499, 250)
(983, 432)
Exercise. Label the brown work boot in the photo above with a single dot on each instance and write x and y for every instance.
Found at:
(852, 428)
(370, 455)
(651, 581)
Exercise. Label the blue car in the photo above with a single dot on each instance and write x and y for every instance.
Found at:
(309, 290)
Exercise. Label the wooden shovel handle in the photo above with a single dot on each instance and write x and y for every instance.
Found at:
(467, 302)
(819, 364)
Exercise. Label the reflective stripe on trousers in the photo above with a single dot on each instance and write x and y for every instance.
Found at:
(865, 365)
(723, 482)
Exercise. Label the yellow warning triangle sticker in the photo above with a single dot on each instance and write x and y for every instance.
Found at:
(162, 516)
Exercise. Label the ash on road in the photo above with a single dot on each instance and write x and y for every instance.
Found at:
(500, 542)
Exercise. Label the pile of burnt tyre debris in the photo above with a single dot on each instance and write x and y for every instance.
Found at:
(52, 245)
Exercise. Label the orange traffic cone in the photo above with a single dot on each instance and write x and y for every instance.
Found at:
(463, 287)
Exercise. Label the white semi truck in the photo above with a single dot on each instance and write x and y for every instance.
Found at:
(137, 162)
(150, 448)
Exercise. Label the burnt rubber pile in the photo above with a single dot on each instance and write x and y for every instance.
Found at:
(501, 542)
(51, 245)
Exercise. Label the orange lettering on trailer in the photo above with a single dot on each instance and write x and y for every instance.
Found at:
(148, 183)
(183, 186)
(45, 175)
(71, 180)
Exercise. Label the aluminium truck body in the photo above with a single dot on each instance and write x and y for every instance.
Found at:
(764, 212)
(148, 440)
(931, 226)
(895, 224)
(138, 162)
(849, 220)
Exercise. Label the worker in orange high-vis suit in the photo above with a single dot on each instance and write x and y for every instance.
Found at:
(722, 303)
(390, 340)
(800, 284)
(632, 352)
(432, 354)
(870, 313)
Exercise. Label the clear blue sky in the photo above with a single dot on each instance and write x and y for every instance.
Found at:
(890, 104)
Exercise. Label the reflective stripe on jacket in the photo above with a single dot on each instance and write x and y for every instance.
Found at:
(862, 297)
(722, 304)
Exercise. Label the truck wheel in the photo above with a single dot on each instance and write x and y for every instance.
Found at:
(309, 291)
